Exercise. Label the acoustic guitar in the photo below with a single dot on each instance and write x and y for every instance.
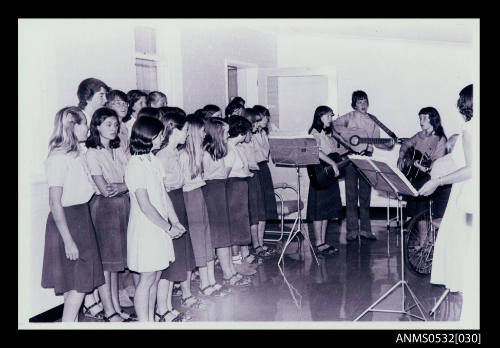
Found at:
(358, 139)
(411, 157)
(322, 175)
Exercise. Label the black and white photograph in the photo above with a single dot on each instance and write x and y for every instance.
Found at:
(248, 173)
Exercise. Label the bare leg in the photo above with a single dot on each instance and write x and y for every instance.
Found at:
(317, 232)
(152, 297)
(186, 286)
(324, 224)
(164, 286)
(224, 255)
(255, 235)
(211, 272)
(115, 298)
(261, 229)
(141, 298)
(72, 302)
(105, 293)
(204, 279)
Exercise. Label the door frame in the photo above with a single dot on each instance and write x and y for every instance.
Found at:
(241, 65)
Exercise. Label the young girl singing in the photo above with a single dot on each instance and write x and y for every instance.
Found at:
(260, 143)
(152, 223)
(71, 262)
(196, 209)
(136, 101)
(215, 175)
(237, 192)
(256, 209)
(110, 206)
(180, 270)
(118, 101)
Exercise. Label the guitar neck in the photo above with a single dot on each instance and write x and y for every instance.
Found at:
(380, 140)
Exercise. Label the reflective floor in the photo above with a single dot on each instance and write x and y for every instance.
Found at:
(340, 288)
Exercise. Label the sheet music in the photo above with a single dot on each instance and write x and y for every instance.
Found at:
(394, 179)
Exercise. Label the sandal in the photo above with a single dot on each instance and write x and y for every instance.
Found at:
(177, 291)
(108, 319)
(251, 259)
(86, 311)
(261, 252)
(237, 280)
(217, 290)
(130, 317)
(180, 316)
(193, 303)
(329, 250)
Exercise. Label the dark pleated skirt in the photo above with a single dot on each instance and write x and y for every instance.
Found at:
(58, 272)
(199, 228)
(256, 209)
(110, 217)
(267, 187)
(183, 249)
(324, 204)
(237, 203)
(214, 193)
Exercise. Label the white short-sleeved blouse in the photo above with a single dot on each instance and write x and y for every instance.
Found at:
(213, 169)
(110, 166)
(189, 183)
(237, 162)
(69, 171)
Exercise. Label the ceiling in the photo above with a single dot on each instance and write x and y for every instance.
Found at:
(445, 30)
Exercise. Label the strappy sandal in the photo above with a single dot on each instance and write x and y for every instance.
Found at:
(130, 317)
(181, 317)
(86, 311)
(108, 319)
(251, 259)
(177, 291)
(217, 290)
(261, 252)
(330, 250)
(237, 280)
(193, 303)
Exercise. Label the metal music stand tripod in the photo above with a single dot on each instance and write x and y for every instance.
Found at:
(295, 151)
(383, 178)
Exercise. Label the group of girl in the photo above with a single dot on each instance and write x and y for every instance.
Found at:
(155, 193)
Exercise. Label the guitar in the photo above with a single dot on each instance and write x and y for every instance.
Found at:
(358, 139)
(411, 157)
(322, 175)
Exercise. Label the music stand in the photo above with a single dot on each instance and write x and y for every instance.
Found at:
(295, 151)
(383, 177)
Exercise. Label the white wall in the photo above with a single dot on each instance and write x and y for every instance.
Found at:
(399, 76)
(205, 47)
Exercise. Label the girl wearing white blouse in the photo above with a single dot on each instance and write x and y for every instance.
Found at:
(71, 261)
(110, 205)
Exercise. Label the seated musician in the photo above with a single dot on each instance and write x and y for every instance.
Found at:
(325, 204)
(431, 142)
(356, 187)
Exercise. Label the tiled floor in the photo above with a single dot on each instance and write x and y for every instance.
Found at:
(340, 288)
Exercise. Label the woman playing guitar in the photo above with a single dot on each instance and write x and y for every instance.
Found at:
(324, 204)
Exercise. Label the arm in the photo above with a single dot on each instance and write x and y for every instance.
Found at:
(55, 194)
(152, 214)
(324, 157)
(459, 175)
(108, 190)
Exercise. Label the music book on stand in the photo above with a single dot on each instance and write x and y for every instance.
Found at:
(383, 176)
(294, 150)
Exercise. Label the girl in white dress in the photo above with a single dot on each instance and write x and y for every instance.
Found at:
(456, 252)
(152, 225)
